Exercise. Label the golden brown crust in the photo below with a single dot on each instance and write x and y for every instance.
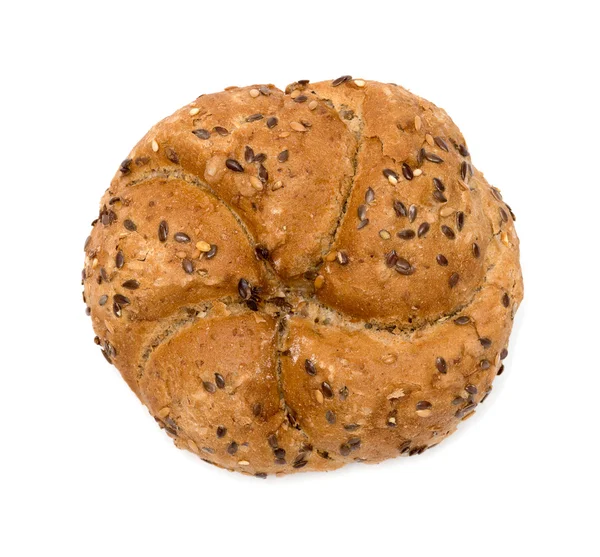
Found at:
(293, 281)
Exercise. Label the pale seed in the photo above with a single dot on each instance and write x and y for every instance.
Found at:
(398, 393)
(203, 246)
(154, 145)
(243, 463)
(297, 127)
(254, 93)
(319, 396)
(384, 234)
(330, 256)
(277, 185)
(164, 412)
(424, 413)
(429, 139)
(417, 172)
(392, 179)
(295, 93)
(389, 358)
(319, 281)
(194, 111)
(359, 82)
(417, 123)
(312, 105)
(256, 183)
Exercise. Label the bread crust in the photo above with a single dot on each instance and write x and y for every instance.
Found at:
(296, 280)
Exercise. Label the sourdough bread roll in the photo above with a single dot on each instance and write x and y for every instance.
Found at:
(298, 280)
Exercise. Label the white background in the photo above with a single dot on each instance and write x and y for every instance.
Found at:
(84, 469)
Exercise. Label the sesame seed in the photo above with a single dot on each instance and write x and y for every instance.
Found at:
(384, 235)
(297, 127)
(154, 145)
(194, 111)
(417, 172)
(254, 93)
(234, 165)
(359, 82)
(418, 123)
(312, 105)
(429, 139)
(243, 463)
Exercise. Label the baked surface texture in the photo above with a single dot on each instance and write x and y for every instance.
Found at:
(296, 280)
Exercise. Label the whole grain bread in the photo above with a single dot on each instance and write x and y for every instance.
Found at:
(298, 280)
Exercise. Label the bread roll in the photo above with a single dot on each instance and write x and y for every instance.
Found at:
(296, 280)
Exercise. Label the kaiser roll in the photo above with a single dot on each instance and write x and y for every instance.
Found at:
(298, 280)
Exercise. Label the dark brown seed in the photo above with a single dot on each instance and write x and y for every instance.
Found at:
(400, 209)
(404, 447)
(87, 243)
(219, 381)
(272, 122)
(441, 365)
(432, 157)
(280, 461)
(131, 284)
(201, 133)
(181, 237)
(344, 393)
(248, 154)
(301, 99)
(351, 427)
(503, 214)
(404, 267)
(463, 150)
(310, 368)
(485, 342)
(254, 118)
(121, 300)
(460, 220)
(310, 275)
(257, 409)
(503, 353)
(141, 161)
(327, 391)
(423, 229)
(465, 170)
(232, 448)
(390, 258)
(279, 452)
(387, 172)
(407, 171)
(439, 185)
(272, 440)
(345, 449)
(234, 165)
(125, 167)
(448, 232)
(362, 224)
(129, 225)
(211, 252)
(361, 212)
(342, 258)
(261, 157)
(439, 196)
(330, 416)
(458, 400)
(104, 274)
(262, 252)
(300, 463)
(487, 393)
(102, 300)
(505, 300)
(283, 156)
(441, 143)
(412, 213)
(261, 475)
(209, 387)
(172, 155)
(441, 259)
(244, 289)
(406, 234)
(423, 405)
(471, 389)
(484, 364)
(453, 280)
(163, 231)
(188, 266)
(476, 252)
(221, 431)
(106, 356)
(462, 320)
(117, 309)
(340, 80)
(119, 260)
(263, 175)
(369, 195)
(391, 418)
(221, 130)
(500, 370)
(353, 443)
